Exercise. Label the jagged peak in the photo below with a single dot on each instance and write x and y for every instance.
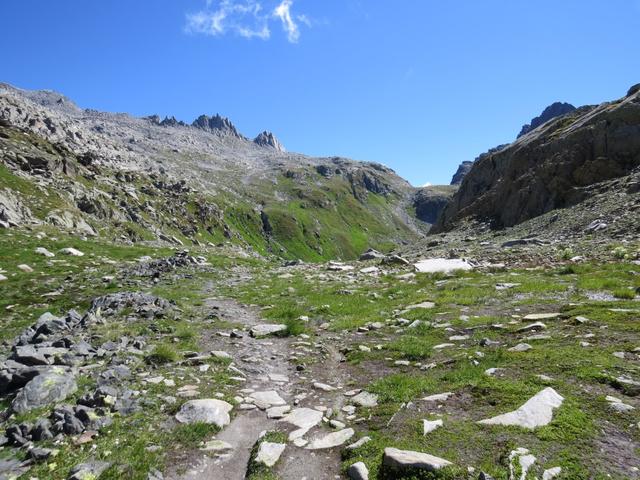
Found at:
(554, 110)
(216, 124)
(268, 139)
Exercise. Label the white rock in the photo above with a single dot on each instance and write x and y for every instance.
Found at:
(366, 399)
(267, 329)
(267, 399)
(359, 443)
(324, 387)
(541, 316)
(431, 425)
(521, 347)
(2, 278)
(536, 412)
(25, 268)
(220, 354)
(211, 411)
(551, 473)
(446, 265)
(303, 418)
(217, 446)
(43, 251)
(269, 453)
(278, 412)
(439, 397)
(406, 459)
(72, 252)
(358, 471)
(331, 440)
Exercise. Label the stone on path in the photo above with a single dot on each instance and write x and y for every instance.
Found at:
(266, 330)
(324, 387)
(431, 425)
(277, 413)
(331, 440)
(217, 446)
(264, 400)
(269, 453)
(445, 265)
(536, 412)
(210, 410)
(407, 460)
(54, 385)
(303, 418)
(366, 399)
(358, 471)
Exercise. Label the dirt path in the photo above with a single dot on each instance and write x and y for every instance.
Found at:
(266, 366)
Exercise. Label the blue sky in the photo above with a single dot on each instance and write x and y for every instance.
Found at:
(418, 85)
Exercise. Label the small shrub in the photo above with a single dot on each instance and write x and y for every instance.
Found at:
(567, 254)
(619, 253)
(162, 354)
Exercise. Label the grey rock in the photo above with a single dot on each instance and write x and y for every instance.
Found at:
(404, 460)
(211, 411)
(358, 471)
(89, 470)
(52, 386)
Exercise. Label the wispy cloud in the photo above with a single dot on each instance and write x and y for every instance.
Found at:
(283, 12)
(246, 18)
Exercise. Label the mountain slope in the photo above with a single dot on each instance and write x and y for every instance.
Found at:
(550, 167)
(142, 179)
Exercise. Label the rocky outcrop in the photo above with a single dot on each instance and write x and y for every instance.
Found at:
(550, 168)
(462, 171)
(430, 201)
(269, 140)
(216, 124)
(554, 110)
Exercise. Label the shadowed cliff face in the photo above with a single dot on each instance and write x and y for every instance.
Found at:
(550, 167)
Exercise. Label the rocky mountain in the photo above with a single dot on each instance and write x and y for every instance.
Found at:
(146, 179)
(216, 124)
(462, 171)
(268, 139)
(430, 201)
(554, 166)
(554, 110)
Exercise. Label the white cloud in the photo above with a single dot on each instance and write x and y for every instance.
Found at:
(246, 18)
(283, 12)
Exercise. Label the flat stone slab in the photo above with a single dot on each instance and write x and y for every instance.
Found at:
(49, 387)
(278, 412)
(304, 419)
(444, 265)
(438, 397)
(267, 399)
(536, 412)
(407, 460)
(366, 399)
(429, 426)
(541, 316)
(269, 453)
(210, 410)
(266, 329)
(331, 440)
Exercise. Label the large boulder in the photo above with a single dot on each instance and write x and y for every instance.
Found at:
(54, 385)
(211, 411)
